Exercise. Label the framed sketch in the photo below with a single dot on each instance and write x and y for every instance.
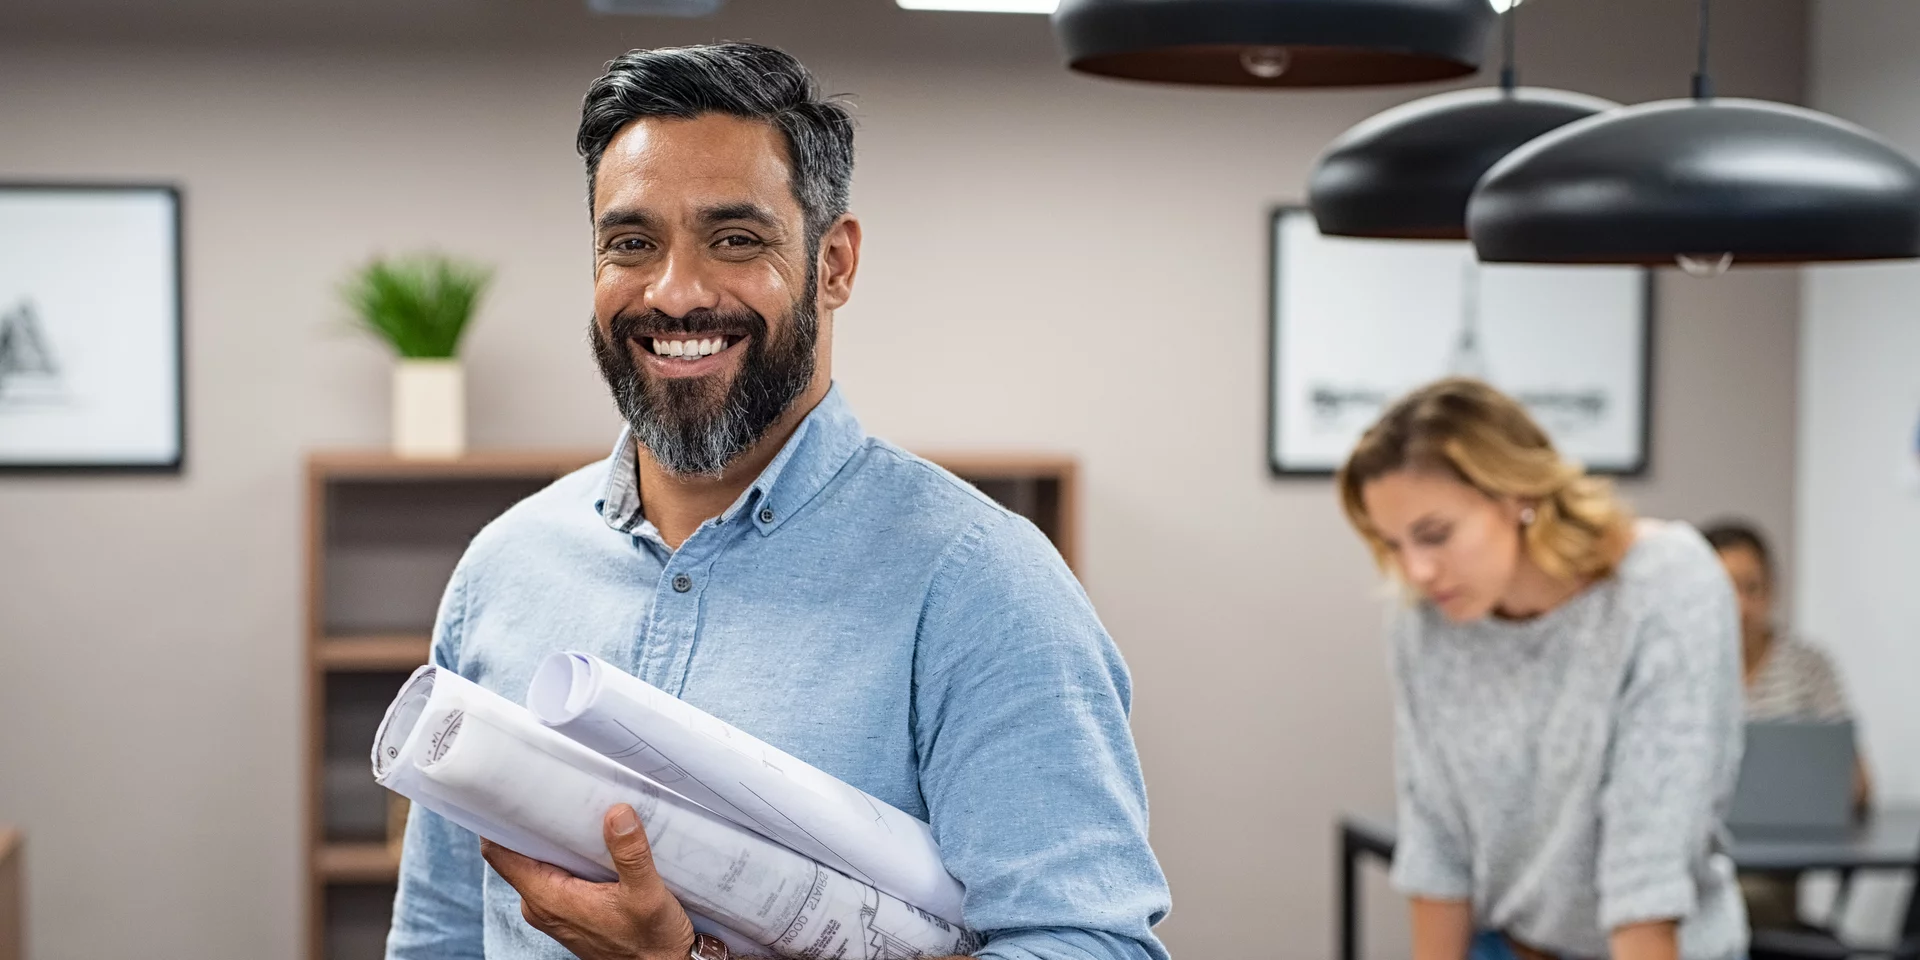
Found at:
(1356, 324)
(90, 329)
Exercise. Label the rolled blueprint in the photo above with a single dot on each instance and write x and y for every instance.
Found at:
(743, 779)
(486, 764)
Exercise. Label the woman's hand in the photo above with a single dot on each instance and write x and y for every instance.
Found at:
(1862, 787)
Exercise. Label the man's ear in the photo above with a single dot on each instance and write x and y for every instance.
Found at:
(839, 261)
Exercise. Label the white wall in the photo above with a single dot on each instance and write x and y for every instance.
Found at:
(1858, 495)
(1032, 236)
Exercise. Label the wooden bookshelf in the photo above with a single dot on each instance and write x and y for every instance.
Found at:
(13, 890)
(383, 535)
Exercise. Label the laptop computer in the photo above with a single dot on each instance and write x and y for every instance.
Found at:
(1795, 777)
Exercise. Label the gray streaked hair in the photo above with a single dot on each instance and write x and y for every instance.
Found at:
(744, 80)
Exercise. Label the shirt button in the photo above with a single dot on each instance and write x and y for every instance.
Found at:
(766, 514)
(682, 583)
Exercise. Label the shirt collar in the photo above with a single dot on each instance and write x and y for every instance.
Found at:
(823, 443)
(619, 500)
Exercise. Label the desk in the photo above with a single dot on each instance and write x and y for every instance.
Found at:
(1886, 840)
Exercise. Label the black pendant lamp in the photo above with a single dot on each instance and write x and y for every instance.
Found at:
(1406, 173)
(1703, 182)
(1274, 43)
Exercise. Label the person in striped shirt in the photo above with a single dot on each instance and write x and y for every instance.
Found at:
(1787, 678)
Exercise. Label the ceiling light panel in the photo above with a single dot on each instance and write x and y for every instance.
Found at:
(982, 6)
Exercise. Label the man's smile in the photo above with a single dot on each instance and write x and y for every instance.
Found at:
(682, 355)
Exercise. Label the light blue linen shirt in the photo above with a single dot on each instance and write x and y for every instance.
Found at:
(861, 609)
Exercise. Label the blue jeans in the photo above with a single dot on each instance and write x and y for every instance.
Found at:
(1492, 945)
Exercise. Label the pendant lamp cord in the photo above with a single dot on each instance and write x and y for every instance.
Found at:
(1702, 83)
(1508, 77)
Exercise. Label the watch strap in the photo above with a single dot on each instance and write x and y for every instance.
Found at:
(709, 947)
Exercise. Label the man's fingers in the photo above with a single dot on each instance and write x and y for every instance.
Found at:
(627, 842)
(552, 900)
(512, 867)
(535, 880)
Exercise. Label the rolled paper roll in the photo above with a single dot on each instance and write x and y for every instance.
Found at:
(486, 764)
(744, 779)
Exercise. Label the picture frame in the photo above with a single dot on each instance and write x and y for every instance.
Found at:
(1353, 324)
(92, 328)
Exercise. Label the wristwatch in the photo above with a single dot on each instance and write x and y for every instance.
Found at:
(708, 947)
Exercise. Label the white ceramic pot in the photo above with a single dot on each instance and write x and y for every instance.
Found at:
(429, 409)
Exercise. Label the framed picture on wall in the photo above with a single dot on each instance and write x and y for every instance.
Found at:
(91, 329)
(1355, 324)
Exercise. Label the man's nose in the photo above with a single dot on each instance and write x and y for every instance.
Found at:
(682, 286)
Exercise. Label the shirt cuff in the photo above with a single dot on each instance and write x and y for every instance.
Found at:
(1417, 872)
(1065, 943)
(1673, 897)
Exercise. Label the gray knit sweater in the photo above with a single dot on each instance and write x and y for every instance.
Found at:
(1568, 774)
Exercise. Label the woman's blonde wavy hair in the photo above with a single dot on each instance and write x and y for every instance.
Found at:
(1482, 437)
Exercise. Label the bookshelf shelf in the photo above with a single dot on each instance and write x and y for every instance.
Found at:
(357, 863)
(350, 465)
(374, 652)
(383, 534)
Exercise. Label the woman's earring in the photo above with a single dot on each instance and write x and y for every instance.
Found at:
(1526, 516)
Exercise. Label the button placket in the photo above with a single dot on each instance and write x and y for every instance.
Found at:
(654, 641)
(677, 606)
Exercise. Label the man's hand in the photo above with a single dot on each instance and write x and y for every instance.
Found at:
(633, 918)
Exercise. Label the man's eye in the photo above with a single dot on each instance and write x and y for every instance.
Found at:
(738, 241)
(629, 244)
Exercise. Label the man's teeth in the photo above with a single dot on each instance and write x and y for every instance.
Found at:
(690, 348)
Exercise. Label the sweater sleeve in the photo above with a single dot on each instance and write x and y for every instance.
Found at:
(1676, 738)
(1430, 860)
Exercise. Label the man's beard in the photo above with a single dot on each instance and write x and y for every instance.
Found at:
(688, 430)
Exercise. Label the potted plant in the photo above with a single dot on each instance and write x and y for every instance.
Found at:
(420, 305)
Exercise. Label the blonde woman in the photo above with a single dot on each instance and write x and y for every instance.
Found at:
(1568, 695)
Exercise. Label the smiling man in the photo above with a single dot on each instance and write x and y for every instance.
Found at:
(748, 548)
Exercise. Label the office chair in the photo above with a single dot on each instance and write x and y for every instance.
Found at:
(1816, 944)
